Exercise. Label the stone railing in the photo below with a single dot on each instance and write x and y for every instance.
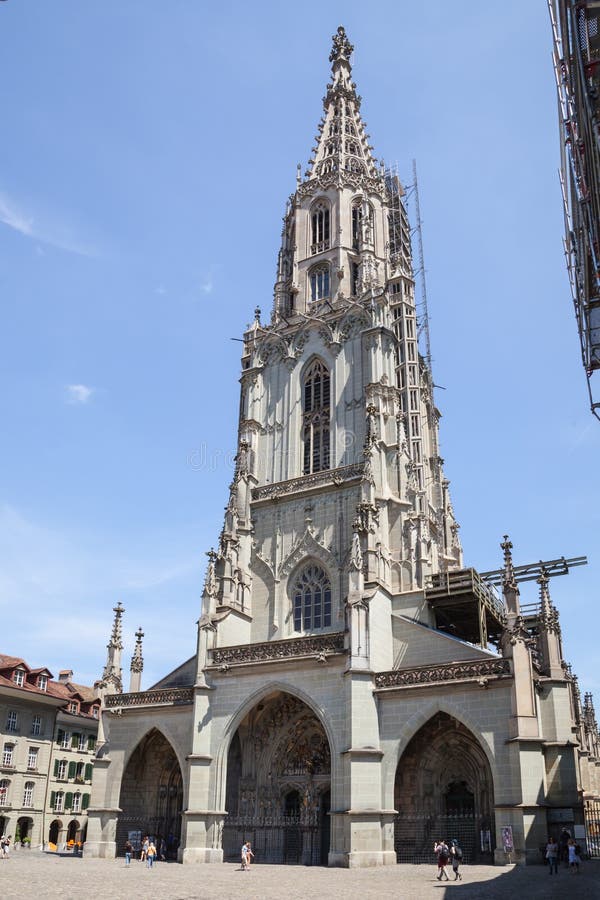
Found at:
(455, 671)
(308, 482)
(319, 647)
(172, 696)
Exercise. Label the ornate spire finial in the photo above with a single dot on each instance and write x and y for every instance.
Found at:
(544, 593)
(342, 48)
(116, 636)
(210, 584)
(257, 314)
(509, 572)
(137, 660)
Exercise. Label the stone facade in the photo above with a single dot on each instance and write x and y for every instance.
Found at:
(356, 693)
(48, 732)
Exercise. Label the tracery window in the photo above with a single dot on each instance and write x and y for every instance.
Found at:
(320, 226)
(316, 390)
(319, 283)
(311, 597)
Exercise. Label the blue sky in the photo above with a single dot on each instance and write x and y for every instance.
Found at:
(148, 150)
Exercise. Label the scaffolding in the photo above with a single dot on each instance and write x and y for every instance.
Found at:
(576, 56)
(400, 247)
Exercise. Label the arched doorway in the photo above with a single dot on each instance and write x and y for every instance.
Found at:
(151, 795)
(24, 830)
(73, 831)
(443, 789)
(55, 831)
(278, 784)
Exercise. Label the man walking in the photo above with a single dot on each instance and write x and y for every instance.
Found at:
(441, 851)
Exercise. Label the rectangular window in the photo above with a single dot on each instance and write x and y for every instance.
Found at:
(32, 758)
(19, 677)
(43, 682)
(12, 720)
(59, 802)
(76, 803)
(414, 400)
(61, 771)
(7, 754)
(36, 725)
(64, 739)
(82, 742)
(73, 707)
(4, 786)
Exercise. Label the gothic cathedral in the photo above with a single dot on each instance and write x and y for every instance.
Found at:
(356, 692)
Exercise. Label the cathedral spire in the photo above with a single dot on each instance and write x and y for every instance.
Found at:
(137, 663)
(342, 143)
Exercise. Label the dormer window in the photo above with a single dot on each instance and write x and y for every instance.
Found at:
(319, 230)
(43, 682)
(95, 711)
(73, 707)
(319, 283)
(19, 677)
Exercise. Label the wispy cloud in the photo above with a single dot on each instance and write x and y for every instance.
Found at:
(42, 229)
(206, 286)
(78, 394)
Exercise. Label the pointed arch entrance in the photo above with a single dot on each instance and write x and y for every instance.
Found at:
(151, 795)
(278, 784)
(443, 790)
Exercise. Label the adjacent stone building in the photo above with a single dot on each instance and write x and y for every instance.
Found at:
(357, 692)
(48, 732)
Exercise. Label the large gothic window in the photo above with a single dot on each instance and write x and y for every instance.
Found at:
(319, 282)
(311, 599)
(319, 228)
(316, 417)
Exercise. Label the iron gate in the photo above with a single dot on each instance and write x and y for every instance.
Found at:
(414, 836)
(287, 840)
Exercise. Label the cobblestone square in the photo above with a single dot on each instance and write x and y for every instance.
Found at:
(31, 874)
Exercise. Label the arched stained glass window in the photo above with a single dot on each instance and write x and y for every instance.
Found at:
(311, 598)
(316, 390)
(319, 228)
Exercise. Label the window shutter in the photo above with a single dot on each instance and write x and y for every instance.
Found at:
(91, 742)
(56, 768)
(72, 769)
(86, 801)
(60, 736)
(88, 772)
(52, 799)
(74, 739)
(68, 800)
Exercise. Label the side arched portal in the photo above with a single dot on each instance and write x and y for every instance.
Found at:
(443, 790)
(278, 784)
(151, 795)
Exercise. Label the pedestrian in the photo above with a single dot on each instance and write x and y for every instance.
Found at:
(244, 856)
(552, 855)
(6, 851)
(144, 850)
(440, 848)
(249, 853)
(128, 852)
(2, 843)
(574, 858)
(162, 849)
(150, 854)
(456, 856)
(563, 846)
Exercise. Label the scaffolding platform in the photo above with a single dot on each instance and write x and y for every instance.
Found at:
(466, 606)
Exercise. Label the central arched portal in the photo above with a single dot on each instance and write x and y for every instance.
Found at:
(278, 784)
(151, 796)
(443, 790)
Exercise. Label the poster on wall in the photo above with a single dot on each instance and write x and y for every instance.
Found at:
(507, 839)
(135, 839)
